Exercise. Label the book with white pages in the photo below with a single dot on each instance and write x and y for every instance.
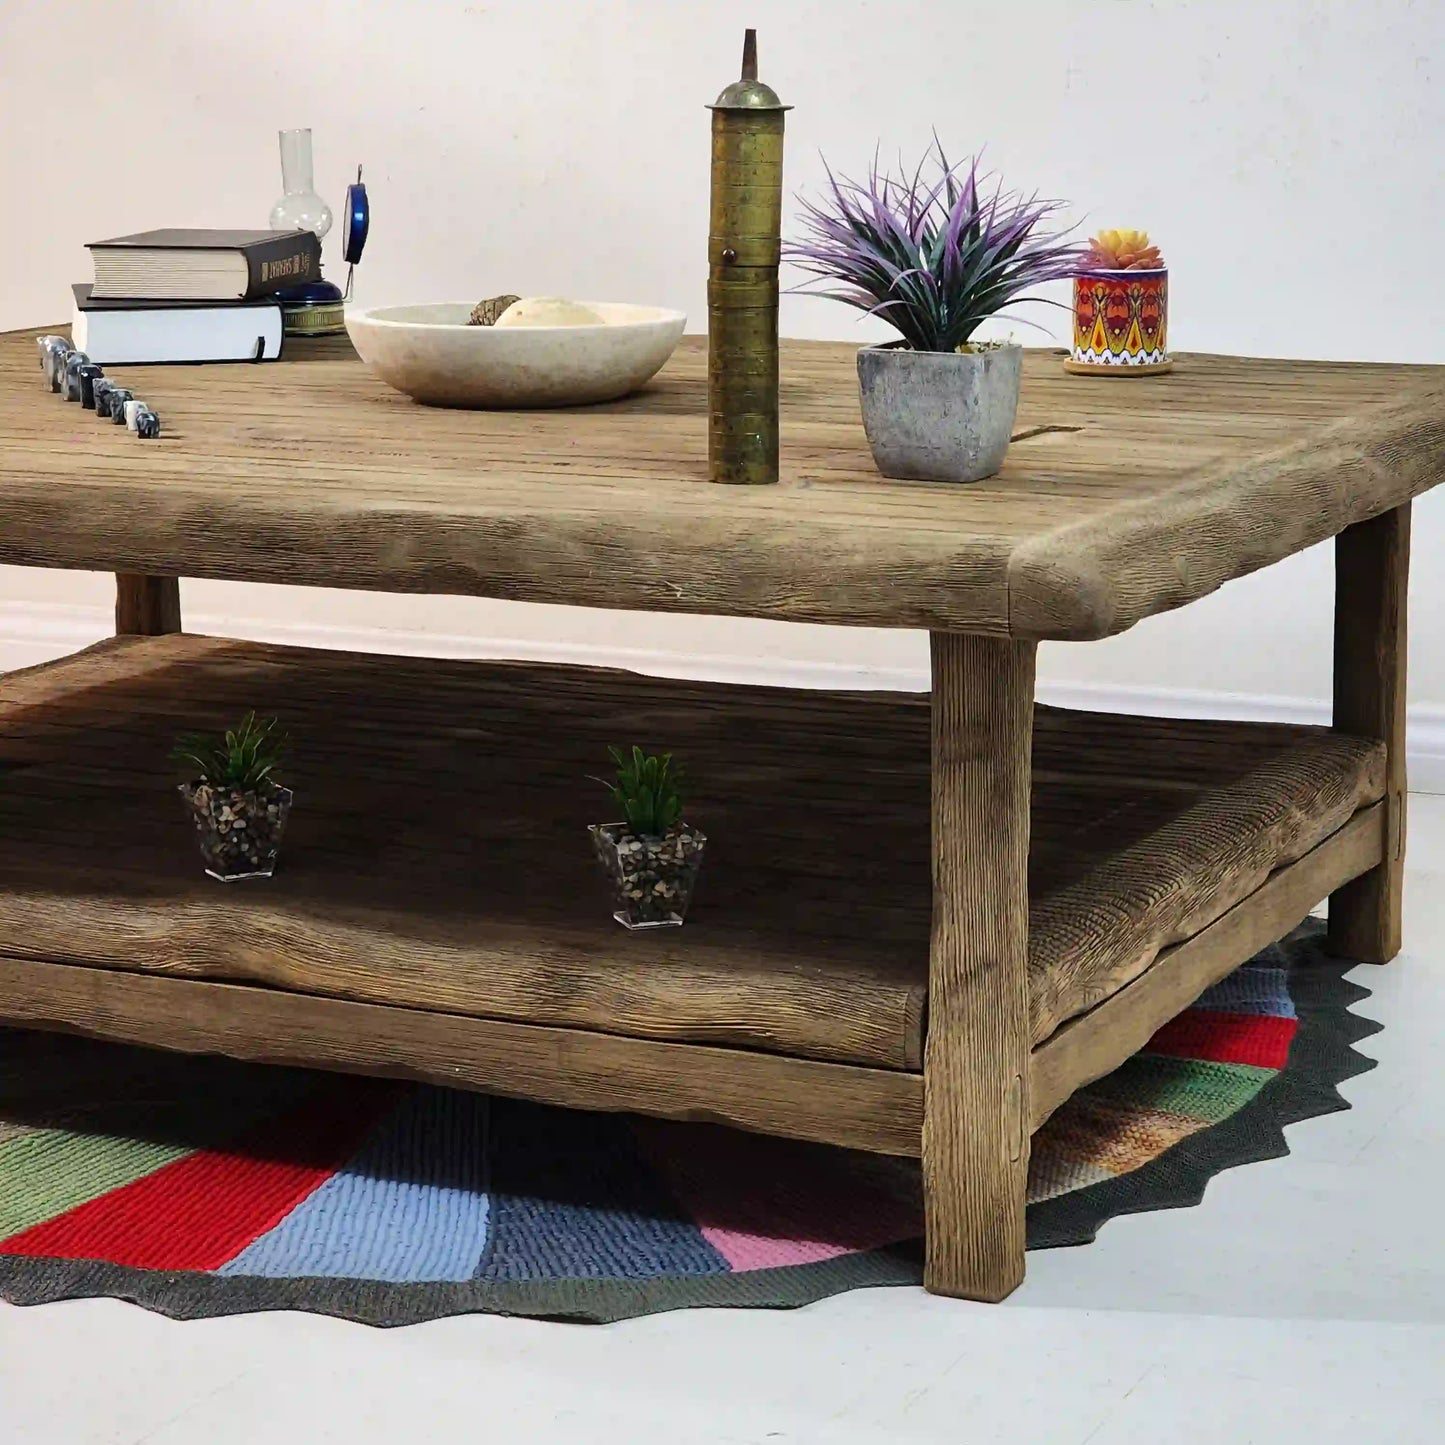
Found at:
(116, 333)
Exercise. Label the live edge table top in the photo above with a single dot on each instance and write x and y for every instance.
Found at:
(1118, 499)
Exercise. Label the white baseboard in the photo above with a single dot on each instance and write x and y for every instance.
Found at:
(33, 632)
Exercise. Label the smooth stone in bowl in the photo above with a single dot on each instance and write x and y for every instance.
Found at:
(431, 353)
(548, 311)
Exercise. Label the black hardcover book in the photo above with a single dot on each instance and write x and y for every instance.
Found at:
(190, 265)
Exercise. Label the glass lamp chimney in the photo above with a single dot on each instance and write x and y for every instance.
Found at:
(300, 208)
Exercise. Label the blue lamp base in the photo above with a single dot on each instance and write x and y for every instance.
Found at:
(314, 308)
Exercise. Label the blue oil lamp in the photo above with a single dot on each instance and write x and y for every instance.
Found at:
(316, 308)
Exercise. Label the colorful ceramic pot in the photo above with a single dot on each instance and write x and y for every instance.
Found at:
(1121, 323)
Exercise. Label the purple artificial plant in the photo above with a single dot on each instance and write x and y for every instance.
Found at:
(932, 258)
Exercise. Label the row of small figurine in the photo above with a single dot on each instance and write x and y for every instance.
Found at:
(73, 375)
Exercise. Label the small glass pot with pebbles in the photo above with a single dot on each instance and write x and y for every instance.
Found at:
(237, 806)
(652, 857)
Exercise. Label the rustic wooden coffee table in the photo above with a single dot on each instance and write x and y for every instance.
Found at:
(437, 916)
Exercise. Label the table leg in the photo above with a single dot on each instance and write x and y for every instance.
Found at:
(1372, 572)
(146, 606)
(975, 1080)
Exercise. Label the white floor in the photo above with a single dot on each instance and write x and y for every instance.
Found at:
(1303, 1301)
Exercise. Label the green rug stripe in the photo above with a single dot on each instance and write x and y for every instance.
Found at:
(53, 1171)
(1196, 1088)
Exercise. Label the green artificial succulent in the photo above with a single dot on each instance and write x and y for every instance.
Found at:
(648, 790)
(244, 759)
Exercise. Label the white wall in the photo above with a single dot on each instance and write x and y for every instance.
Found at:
(1287, 154)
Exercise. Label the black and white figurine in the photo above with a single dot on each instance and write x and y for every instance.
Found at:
(119, 395)
(147, 423)
(89, 374)
(55, 360)
(73, 363)
(102, 390)
(49, 345)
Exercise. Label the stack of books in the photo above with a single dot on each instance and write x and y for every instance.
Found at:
(187, 295)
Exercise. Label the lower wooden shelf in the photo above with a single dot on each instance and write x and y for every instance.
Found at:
(438, 873)
(880, 1110)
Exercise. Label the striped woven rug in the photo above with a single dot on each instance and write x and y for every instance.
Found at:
(202, 1186)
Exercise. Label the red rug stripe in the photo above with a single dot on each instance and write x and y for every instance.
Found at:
(201, 1211)
(1226, 1038)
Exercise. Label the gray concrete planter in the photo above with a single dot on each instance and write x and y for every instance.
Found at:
(936, 416)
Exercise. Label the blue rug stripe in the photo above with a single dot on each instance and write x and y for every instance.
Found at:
(1261, 991)
(573, 1199)
(411, 1208)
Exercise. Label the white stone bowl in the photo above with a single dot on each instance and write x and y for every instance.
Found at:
(430, 353)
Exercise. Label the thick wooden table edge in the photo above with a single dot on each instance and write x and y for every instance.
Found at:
(1100, 577)
(1074, 581)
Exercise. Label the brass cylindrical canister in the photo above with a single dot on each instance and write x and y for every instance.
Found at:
(744, 243)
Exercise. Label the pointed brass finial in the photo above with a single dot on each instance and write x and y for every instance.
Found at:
(750, 54)
(749, 93)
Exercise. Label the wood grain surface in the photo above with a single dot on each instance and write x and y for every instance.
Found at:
(1114, 502)
(147, 606)
(1093, 1044)
(880, 1110)
(875, 1109)
(1372, 584)
(976, 1064)
(437, 856)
